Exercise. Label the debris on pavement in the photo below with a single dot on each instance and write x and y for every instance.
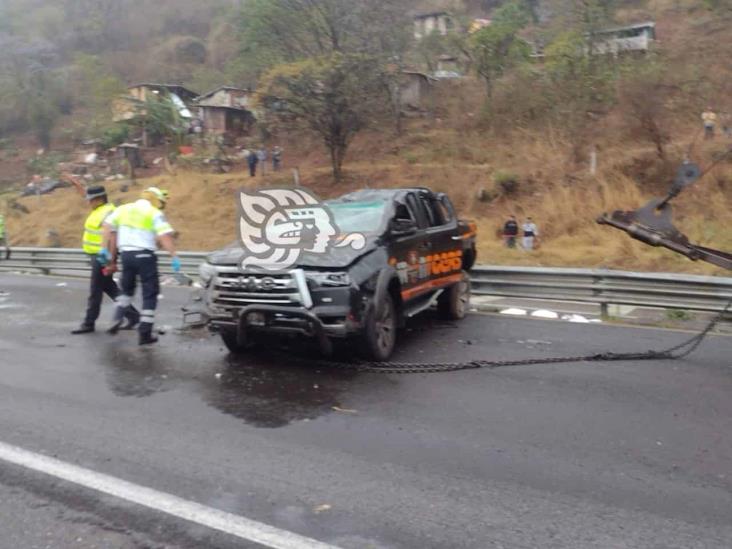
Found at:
(514, 311)
(575, 318)
(321, 508)
(543, 313)
(344, 410)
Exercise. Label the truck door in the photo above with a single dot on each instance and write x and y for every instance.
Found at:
(407, 251)
(445, 246)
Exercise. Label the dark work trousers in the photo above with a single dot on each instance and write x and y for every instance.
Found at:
(142, 264)
(99, 285)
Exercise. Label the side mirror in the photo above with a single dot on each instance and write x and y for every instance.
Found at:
(402, 227)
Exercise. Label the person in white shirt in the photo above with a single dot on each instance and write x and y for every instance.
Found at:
(135, 229)
(531, 233)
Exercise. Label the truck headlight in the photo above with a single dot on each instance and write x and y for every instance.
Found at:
(330, 279)
(206, 272)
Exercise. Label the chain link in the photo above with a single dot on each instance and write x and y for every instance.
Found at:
(672, 353)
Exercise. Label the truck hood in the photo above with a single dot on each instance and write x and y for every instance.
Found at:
(335, 258)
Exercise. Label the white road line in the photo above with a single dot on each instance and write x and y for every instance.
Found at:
(231, 524)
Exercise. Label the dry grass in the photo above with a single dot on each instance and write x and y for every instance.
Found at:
(561, 198)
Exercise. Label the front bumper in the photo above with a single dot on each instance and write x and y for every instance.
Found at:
(286, 306)
(335, 322)
(271, 319)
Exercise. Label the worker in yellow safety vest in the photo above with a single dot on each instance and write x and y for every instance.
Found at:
(4, 237)
(135, 230)
(101, 281)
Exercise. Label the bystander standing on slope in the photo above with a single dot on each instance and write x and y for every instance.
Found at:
(531, 234)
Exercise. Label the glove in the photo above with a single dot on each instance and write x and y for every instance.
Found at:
(104, 257)
(175, 263)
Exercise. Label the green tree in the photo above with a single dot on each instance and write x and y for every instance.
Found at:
(495, 50)
(160, 118)
(274, 32)
(95, 87)
(36, 92)
(333, 96)
(284, 31)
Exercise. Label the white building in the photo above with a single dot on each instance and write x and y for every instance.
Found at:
(440, 22)
(630, 38)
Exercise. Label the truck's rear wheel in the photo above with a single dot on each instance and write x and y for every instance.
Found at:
(454, 302)
(379, 335)
(230, 340)
(469, 258)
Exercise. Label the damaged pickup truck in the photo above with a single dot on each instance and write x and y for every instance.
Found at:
(415, 254)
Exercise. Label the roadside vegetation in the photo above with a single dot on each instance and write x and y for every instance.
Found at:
(515, 135)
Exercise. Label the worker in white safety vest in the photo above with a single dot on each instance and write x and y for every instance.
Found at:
(138, 228)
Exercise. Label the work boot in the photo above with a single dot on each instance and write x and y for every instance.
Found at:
(83, 329)
(114, 328)
(147, 339)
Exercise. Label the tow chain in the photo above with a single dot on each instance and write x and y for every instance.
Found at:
(672, 353)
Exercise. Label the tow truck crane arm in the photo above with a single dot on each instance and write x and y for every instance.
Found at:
(652, 223)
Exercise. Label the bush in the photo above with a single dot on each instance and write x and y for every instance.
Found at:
(114, 135)
(46, 164)
(679, 314)
(508, 182)
(486, 195)
(411, 158)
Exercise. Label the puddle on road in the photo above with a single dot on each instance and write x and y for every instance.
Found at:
(263, 390)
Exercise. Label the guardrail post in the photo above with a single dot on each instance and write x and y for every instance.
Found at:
(604, 311)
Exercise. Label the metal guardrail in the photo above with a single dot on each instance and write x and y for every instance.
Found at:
(599, 286)
(605, 287)
(74, 262)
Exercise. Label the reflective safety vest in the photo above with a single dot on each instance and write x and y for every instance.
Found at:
(138, 216)
(2, 226)
(92, 240)
(138, 225)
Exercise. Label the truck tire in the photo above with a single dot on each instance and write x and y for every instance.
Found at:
(469, 258)
(230, 340)
(453, 303)
(379, 335)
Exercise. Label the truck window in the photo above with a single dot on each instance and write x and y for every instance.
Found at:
(402, 212)
(417, 210)
(436, 213)
(444, 209)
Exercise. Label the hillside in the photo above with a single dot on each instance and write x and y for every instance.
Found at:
(203, 206)
(466, 148)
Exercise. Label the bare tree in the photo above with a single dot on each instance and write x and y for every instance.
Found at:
(334, 97)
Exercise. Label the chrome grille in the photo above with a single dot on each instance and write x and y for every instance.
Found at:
(232, 290)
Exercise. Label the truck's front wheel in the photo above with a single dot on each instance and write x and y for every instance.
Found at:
(379, 334)
(231, 341)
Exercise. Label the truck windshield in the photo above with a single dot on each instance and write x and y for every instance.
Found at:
(363, 217)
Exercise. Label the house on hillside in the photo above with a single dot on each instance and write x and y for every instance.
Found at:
(448, 66)
(617, 40)
(226, 110)
(226, 96)
(142, 91)
(440, 22)
(415, 91)
(125, 107)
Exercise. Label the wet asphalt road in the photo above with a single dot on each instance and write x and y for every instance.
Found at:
(635, 455)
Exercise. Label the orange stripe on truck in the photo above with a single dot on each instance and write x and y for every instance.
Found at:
(431, 285)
